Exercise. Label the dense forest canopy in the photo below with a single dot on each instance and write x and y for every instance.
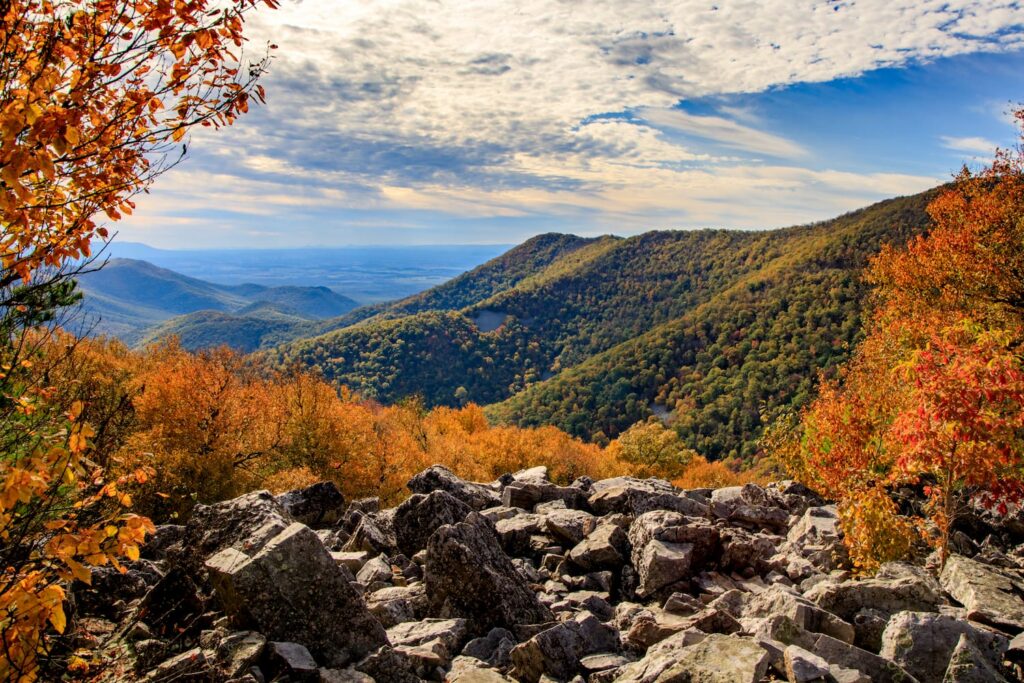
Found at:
(718, 330)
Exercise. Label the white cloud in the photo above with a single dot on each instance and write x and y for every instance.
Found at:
(470, 106)
(723, 132)
(971, 145)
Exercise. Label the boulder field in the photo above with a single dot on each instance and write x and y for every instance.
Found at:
(521, 579)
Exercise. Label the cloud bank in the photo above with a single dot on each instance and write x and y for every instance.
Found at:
(566, 110)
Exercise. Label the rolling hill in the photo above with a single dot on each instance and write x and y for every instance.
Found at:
(135, 300)
(715, 330)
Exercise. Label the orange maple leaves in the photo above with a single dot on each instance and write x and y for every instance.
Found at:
(93, 96)
(935, 393)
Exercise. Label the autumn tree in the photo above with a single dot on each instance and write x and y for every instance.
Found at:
(96, 100)
(933, 395)
(652, 450)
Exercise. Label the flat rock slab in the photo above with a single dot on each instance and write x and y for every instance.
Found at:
(989, 594)
(719, 659)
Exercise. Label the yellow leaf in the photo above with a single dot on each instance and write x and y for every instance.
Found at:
(132, 552)
(79, 571)
(58, 619)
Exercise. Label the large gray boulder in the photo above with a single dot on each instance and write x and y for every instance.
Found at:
(569, 526)
(607, 546)
(659, 658)
(897, 587)
(668, 547)
(848, 656)
(440, 478)
(421, 515)
(428, 644)
(990, 595)
(923, 642)
(637, 496)
(968, 664)
(318, 505)
(557, 651)
(292, 590)
(814, 543)
(395, 604)
(803, 666)
(780, 601)
(246, 523)
(467, 575)
(750, 506)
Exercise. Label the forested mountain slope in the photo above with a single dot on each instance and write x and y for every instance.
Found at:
(729, 365)
(712, 323)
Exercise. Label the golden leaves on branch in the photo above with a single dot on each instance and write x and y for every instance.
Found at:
(95, 95)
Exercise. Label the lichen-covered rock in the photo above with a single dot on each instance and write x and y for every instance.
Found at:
(718, 659)
(421, 515)
(569, 526)
(990, 595)
(292, 590)
(750, 506)
(968, 664)
(659, 658)
(246, 523)
(668, 547)
(848, 656)
(189, 665)
(291, 662)
(395, 604)
(557, 651)
(467, 575)
(803, 666)
(238, 652)
(428, 644)
(472, 670)
(896, 588)
(635, 497)
(778, 601)
(371, 534)
(923, 642)
(606, 546)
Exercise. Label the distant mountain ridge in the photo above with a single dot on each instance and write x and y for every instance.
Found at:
(127, 298)
(715, 330)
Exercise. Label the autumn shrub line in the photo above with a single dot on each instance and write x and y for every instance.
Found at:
(215, 424)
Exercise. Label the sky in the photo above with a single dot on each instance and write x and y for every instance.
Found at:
(489, 121)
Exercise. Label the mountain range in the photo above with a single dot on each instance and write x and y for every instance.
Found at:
(138, 301)
(715, 331)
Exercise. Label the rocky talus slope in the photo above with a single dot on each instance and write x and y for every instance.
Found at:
(524, 580)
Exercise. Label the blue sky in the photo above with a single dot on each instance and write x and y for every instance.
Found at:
(415, 122)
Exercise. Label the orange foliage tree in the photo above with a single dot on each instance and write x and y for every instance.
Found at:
(95, 98)
(935, 393)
